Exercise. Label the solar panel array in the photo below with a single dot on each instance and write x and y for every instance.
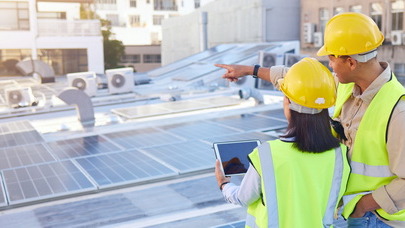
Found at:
(34, 170)
(175, 107)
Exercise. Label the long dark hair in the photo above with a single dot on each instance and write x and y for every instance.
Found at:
(312, 132)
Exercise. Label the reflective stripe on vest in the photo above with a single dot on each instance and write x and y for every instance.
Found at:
(335, 189)
(269, 186)
(269, 183)
(370, 170)
(251, 221)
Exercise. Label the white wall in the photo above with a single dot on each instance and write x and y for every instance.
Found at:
(231, 21)
(72, 10)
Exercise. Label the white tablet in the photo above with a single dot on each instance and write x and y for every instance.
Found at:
(233, 155)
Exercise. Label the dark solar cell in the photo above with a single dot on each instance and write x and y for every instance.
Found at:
(80, 147)
(123, 168)
(44, 181)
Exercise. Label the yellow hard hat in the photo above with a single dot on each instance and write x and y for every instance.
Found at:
(310, 84)
(349, 34)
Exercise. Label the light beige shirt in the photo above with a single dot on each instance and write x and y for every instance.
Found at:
(392, 196)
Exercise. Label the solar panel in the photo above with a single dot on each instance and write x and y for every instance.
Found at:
(17, 156)
(175, 107)
(15, 126)
(238, 53)
(3, 201)
(241, 136)
(185, 156)
(18, 133)
(46, 91)
(183, 105)
(192, 71)
(20, 138)
(79, 147)
(277, 113)
(44, 181)
(220, 101)
(141, 111)
(249, 122)
(198, 130)
(128, 167)
(145, 137)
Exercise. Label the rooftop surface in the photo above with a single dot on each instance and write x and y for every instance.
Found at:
(145, 161)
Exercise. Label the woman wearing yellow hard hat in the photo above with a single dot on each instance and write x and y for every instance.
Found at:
(297, 180)
(370, 106)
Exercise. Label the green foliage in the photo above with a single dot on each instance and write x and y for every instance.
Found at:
(113, 49)
(86, 13)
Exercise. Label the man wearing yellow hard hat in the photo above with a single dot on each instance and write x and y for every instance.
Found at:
(371, 109)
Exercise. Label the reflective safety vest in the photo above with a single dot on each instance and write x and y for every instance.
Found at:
(299, 189)
(369, 161)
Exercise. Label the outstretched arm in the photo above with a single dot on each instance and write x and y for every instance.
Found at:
(234, 72)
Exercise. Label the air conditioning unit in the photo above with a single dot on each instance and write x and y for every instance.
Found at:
(265, 85)
(308, 32)
(396, 37)
(120, 80)
(267, 59)
(291, 59)
(318, 39)
(20, 97)
(85, 81)
(244, 82)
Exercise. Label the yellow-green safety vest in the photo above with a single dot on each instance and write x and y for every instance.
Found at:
(369, 161)
(299, 189)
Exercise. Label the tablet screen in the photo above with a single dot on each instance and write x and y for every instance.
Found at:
(234, 155)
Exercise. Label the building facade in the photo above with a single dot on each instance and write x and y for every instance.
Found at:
(230, 21)
(51, 32)
(142, 57)
(389, 16)
(138, 24)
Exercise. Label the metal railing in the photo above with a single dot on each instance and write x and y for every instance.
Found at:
(55, 27)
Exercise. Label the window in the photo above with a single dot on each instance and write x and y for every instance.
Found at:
(65, 61)
(113, 18)
(151, 58)
(397, 15)
(51, 15)
(196, 4)
(106, 4)
(134, 20)
(131, 58)
(157, 19)
(165, 5)
(355, 8)
(132, 3)
(323, 18)
(9, 58)
(14, 16)
(338, 10)
(376, 13)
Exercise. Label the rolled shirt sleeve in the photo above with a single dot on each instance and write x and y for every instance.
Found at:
(276, 73)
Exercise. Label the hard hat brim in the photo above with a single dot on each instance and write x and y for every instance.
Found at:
(322, 51)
